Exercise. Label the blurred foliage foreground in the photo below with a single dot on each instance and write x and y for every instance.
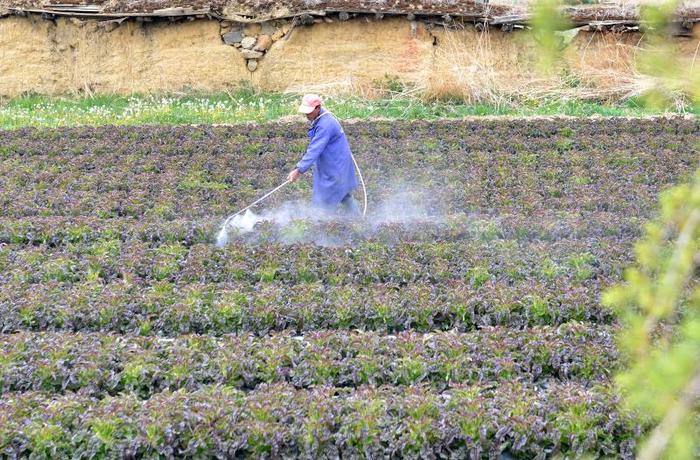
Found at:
(659, 306)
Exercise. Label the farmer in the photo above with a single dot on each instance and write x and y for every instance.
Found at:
(329, 152)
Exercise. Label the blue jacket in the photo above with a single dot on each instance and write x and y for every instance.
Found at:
(329, 152)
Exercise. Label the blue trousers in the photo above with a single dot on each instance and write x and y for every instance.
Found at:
(350, 206)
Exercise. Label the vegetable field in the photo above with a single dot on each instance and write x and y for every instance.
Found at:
(461, 320)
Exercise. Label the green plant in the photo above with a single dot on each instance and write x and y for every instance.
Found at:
(581, 265)
(244, 106)
(547, 22)
(659, 306)
(477, 276)
(539, 308)
(169, 257)
(200, 180)
(268, 272)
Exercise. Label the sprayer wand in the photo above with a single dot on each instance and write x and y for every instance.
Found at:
(255, 202)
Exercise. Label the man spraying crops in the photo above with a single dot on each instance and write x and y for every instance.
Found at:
(329, 153)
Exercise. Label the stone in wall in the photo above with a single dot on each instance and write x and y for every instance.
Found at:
(253, 40)
(263, 43)
(248, 43)
(234, 36)
(252, 29)
(250, 54)
(279, 33)
(268, 28)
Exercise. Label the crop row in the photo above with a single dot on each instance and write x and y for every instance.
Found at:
(593, 260)
(199, 172)
(101, 364)
(171, 309)
(56, 231)
(450, 190)
(279, 421)
(472, 134)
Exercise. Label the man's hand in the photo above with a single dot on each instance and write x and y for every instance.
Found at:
(294, 175)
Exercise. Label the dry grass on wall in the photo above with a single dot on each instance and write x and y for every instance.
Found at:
(500, 68)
